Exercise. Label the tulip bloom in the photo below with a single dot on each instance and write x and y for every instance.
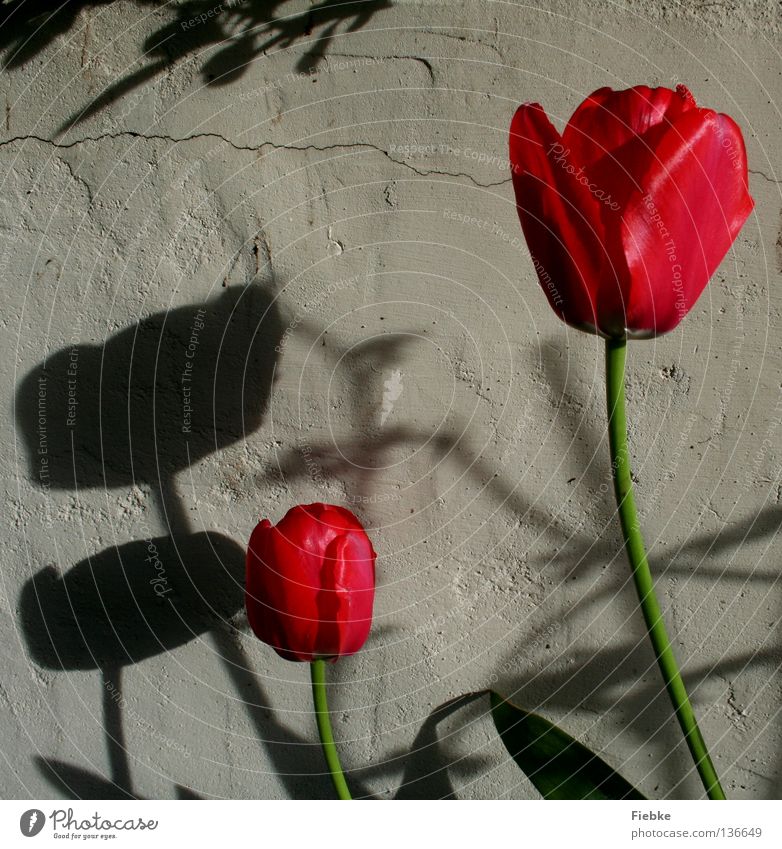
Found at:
(629, 211)
(627, 215)
(311, 583)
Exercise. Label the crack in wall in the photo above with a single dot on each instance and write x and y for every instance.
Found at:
(764, 176)
(251, 148)
(276, 146)
(424, 60)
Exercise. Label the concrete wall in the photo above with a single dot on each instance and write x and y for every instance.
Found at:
(332, 192)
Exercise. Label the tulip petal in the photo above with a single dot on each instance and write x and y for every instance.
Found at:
(310, 583)
(305, 525)
(608, 119)
(678, 226)
(261, 608)
(345, 603)
(630, 212)
(563, 225)
(284, 580)
(355, 583)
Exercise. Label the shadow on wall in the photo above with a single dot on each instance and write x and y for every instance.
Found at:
(147, 597)
(147, 403)
(122, 606)
(582, 677)
(240, 30)
(154, 399)
(110, 611)
(129, 603)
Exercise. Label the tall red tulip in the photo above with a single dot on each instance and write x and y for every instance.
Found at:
(311, 583)
(627, 215)
(630, 210)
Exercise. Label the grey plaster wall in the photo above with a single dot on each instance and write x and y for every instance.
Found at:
(329, 185)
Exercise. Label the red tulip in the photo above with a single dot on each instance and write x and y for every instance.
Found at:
(631, 209)
(311, 583)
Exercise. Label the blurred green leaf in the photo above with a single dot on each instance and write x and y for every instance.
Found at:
(559, 766)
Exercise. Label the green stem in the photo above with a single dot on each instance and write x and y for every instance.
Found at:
(318, 672)
(642, 576)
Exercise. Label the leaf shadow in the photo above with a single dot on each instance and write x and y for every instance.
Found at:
(228, 36)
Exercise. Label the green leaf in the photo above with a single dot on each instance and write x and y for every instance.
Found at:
(559, 766)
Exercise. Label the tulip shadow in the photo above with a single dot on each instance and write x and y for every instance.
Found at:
(298, 761)
(146, 404)
(132, 602)
(110, 611)
(149, 597)
(155, 398)
(122, 606)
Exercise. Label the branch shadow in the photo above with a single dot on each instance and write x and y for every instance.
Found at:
(29, 26)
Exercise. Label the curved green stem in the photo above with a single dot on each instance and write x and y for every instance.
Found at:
(318, 673)
(642, 576)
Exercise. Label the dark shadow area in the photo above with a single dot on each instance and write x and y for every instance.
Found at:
(29, 26)
(149, 402)
(132, 602)
(233, 33)
(135, 422)
(73, 782)
(298, 761)
(108, 612)
(122, 606)
(154, 399)
(427, 766)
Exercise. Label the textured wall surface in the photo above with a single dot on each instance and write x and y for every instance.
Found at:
(256, 254)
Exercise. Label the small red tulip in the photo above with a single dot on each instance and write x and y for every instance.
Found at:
(631, 209)
(311, 583)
